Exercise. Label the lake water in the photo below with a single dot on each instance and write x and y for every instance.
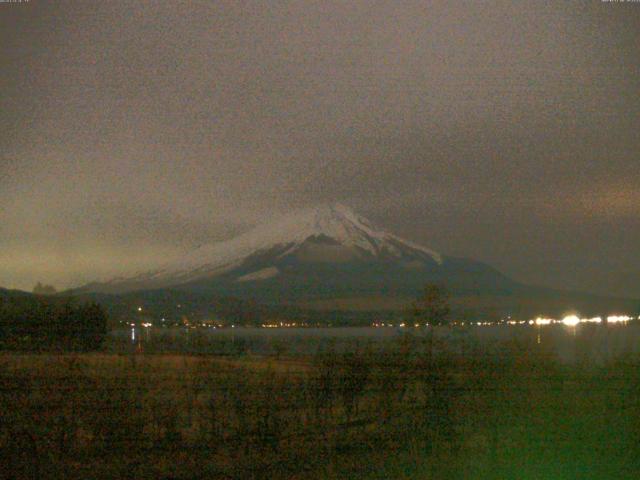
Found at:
(595, 343)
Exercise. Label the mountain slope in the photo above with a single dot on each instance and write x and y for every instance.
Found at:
(7, 293)
(325, 252)
(330, 259)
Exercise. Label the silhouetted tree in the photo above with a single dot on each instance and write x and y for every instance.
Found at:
(36, 323)
(432, 306)
(91, 326)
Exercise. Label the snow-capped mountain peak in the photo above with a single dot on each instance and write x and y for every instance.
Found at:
(335, 224)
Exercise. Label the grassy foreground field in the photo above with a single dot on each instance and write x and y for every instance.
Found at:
(405, 411)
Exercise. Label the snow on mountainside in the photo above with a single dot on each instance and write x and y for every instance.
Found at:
(331, 258)
(336, 224)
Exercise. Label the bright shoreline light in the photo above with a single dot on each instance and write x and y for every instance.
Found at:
(543, 321)
(592, 320)
(571, 320)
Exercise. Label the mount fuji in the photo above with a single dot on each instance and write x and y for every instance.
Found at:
(319, 253)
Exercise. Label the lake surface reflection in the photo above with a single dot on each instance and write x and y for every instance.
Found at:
(584, 342)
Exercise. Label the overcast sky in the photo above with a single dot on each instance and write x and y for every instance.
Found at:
(507, 132)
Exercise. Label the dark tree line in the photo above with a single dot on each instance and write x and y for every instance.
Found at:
(36, 323)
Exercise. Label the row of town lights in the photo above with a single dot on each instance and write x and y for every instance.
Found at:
(569, 320)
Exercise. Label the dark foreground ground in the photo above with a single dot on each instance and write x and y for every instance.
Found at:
(408, 410)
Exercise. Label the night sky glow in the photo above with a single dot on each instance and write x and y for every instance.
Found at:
(507, 132)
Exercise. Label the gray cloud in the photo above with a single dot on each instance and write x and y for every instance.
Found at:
(498, 130)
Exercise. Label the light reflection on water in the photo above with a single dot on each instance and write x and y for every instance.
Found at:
(595, 342)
